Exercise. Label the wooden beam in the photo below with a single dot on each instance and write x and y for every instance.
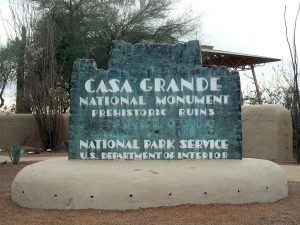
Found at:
(258, 94)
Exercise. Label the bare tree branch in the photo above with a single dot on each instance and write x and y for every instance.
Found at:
(296, 101)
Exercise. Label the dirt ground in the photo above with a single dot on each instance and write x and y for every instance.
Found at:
(284, 212)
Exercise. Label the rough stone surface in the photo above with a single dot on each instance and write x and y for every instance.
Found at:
(267, 133)
(63, 184)
(134, 63)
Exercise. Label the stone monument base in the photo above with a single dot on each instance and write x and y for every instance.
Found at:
(120, 185)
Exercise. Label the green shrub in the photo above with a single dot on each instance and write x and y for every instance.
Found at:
(15, 153)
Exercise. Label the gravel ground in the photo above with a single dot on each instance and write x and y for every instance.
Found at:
(284, 212)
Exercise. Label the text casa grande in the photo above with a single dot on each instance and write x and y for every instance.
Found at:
(172, 92)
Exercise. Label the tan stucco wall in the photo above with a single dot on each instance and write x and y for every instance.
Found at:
(267, 133)
(22, 129)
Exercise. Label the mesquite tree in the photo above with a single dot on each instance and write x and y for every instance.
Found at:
(57, 32)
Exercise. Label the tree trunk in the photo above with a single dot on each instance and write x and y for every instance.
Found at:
(22, 106)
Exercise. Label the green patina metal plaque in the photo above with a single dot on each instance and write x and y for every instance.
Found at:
(155, 101)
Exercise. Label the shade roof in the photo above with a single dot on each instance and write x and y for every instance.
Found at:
(233, 60)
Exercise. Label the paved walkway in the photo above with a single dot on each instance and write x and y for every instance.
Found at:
(292, 170)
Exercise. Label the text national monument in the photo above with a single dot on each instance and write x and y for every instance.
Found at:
(155, 101)
(142, 134)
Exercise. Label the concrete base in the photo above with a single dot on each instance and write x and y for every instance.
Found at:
(119, 185)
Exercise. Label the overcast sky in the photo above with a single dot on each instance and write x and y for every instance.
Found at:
(253, 27)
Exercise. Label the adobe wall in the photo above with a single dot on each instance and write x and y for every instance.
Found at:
(267, 132)
(22, 129)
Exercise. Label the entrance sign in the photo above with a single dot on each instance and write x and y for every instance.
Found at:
(155, 101)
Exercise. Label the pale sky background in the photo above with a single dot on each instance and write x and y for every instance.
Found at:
(252, 27)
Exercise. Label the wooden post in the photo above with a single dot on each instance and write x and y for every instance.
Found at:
(258, 94)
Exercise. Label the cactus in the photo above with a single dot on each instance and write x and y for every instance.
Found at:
(15, 153)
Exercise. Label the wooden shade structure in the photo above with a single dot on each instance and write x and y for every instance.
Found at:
(234, 60)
